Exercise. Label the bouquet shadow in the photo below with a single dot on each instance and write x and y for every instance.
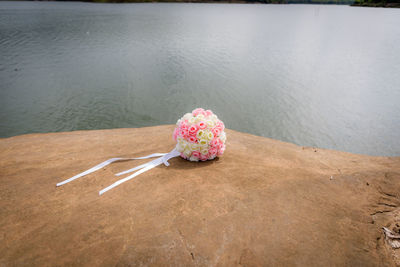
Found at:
(180, 163)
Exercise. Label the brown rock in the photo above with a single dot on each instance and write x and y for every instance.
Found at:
(263, 203)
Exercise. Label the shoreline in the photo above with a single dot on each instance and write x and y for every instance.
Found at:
(357, 3)
(380, 4)
(275, 2)
(27, 135)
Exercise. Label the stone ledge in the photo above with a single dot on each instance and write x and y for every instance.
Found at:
(263, 203)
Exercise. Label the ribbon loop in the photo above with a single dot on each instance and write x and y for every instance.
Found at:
(143, 168)
(163, 159)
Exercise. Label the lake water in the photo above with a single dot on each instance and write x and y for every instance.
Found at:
(325, 76)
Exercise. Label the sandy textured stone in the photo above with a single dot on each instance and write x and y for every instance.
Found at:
(263, 203)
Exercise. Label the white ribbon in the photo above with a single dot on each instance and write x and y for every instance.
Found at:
(163, 159)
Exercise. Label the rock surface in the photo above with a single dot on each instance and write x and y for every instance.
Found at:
(263, 203)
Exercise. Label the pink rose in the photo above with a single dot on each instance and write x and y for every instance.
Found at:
(202, 125)
(192, 139)
(220, 125)
(220, 146)
(197, 111)
(215, 142)
(193, 129)
(184, 124)
(208, 113)
(213, 151)
(203, 157)
(175, 135)
(216, 131)
(183, 133)
(183, 156)
(221, 150)
(196, 154)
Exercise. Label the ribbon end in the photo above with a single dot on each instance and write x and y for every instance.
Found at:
(60, 184)
(104, 190)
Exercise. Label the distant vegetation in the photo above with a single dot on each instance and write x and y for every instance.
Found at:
(377, 3)
(367, 3)
(331, 2)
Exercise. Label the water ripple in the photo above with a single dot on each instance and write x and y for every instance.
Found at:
(278, 71)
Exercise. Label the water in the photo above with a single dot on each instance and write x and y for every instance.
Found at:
(326, 76)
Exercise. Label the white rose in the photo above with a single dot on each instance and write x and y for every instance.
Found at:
(187, 152)
(192, 120)
(203, 142)
(187, 116)
(193, 158)
(204, 151)
(210, 123)
(182, 145)
(193, 146)
(210, 135)
(222, 137)
(179, 148)
(200, 134)
(200, 118)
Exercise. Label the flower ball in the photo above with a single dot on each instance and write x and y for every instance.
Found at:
(200, 135)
